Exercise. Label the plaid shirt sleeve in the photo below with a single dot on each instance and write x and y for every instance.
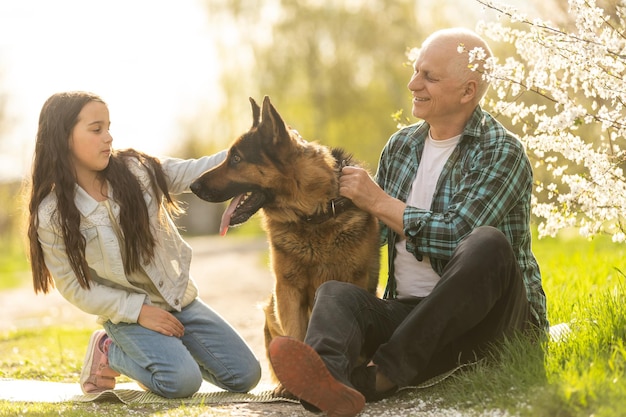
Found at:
(486, 181)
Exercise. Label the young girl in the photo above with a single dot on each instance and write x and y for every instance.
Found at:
(101, 231)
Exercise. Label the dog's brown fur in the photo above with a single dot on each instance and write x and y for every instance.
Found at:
(292, 181)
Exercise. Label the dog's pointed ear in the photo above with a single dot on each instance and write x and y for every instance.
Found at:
(272, 121)
(256, 113)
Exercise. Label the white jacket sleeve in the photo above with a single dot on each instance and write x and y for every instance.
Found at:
(182, 172)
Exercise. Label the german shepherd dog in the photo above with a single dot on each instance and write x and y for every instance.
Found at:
(315, 235)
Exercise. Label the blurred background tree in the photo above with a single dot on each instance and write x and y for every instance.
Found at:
(334, 69)
(12, 260)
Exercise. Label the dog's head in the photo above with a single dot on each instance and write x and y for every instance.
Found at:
(254, 167)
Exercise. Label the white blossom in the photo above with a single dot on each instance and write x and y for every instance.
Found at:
(565, 95)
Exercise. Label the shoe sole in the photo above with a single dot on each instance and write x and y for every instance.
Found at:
(303, 373)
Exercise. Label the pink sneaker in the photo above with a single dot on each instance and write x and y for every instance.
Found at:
(96, 375)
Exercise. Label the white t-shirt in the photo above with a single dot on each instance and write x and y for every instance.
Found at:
(415, 278)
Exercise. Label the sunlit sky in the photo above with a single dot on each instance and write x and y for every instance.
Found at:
(151, 61)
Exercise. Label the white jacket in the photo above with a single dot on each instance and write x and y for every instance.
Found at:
(112, 296)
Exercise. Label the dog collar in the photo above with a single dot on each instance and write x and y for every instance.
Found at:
(334, 208)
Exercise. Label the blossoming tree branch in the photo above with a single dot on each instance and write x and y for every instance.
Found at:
(564, 91)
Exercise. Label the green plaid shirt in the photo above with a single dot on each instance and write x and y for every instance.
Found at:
(487, 181)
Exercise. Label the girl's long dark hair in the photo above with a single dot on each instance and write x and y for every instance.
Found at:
(53, 172)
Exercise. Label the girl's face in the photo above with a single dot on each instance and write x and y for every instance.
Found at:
(90, 141)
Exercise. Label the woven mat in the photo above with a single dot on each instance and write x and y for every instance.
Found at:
(218, 397)
(129, 393)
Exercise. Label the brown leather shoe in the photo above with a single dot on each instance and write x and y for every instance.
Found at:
(303, 373)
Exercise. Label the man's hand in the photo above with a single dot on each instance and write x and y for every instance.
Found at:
(357, 185)
(159, 320)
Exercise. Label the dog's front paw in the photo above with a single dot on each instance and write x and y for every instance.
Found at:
(281, 392)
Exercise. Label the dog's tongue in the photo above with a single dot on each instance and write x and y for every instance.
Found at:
(228, 214)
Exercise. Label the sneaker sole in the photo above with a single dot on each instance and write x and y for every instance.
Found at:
(303, 373)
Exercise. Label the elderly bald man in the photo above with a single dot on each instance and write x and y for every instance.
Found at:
(453, 195)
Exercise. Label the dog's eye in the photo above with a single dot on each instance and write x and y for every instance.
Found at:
(235, 159)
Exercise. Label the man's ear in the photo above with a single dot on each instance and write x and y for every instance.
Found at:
(469, 94)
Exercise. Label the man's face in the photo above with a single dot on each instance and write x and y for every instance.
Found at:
(436, 85)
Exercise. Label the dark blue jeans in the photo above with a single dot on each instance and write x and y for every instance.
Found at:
(480, 299)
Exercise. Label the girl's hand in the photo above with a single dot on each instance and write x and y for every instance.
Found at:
(159, 320)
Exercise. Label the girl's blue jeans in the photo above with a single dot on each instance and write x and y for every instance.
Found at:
(175, 367)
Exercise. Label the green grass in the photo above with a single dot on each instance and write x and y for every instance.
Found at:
(581, 376)
(46, 354)
(14, 267)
